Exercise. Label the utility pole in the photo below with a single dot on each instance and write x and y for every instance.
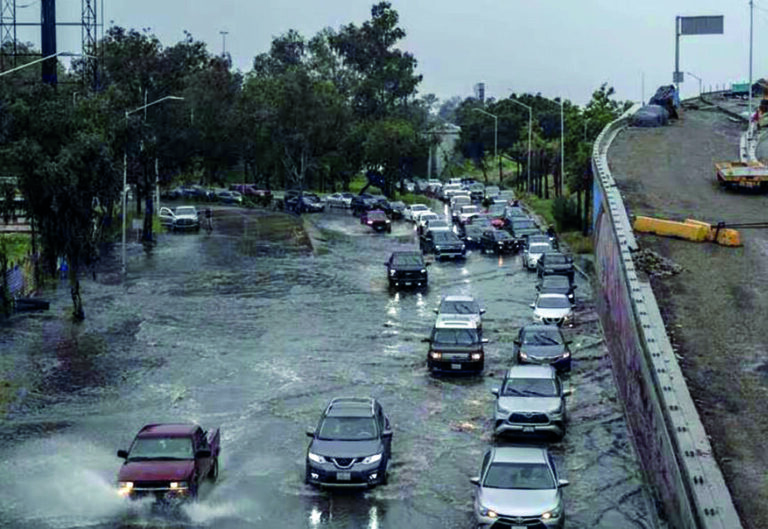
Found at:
(751, 11)
(223, 42)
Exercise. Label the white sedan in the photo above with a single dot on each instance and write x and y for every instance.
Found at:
(339, 200)
(552, 309)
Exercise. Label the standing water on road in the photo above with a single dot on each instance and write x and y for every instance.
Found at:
(254, 333)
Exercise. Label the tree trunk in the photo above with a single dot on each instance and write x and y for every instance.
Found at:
(578, 205)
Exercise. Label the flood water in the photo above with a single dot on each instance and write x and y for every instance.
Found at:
(253, 334)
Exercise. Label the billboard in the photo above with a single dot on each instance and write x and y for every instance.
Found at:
(701, 25)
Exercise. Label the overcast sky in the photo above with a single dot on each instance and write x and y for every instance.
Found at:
(561, 48)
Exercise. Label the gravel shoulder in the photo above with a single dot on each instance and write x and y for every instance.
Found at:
(714, 308)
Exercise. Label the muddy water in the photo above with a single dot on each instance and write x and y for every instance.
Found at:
(255, 333)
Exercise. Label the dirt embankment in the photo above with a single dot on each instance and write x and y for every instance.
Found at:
(714, 309)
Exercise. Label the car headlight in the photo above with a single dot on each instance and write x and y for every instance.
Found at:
(437, 248)
(436, 355)
(490, 513)
(463, 247)
(423, 270)
(477, 356)
(179, 484)
(124, 487)
(566, 354)
(523, 355)
(392, 272)
(554, 513)
(316, 458)
(375, 458)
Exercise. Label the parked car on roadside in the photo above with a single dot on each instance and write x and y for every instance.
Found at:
(407, 269)
(518, 486)
(497, 241)
(444, 244)
(351, 446)
(377, 220)
(553, 309)
(363, 202)
(339, 200)
(537, 343)
(229, 197)
(168, 462)
(530, 401)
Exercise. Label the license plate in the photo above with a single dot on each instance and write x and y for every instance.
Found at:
(343, 476)
(455, 366)
(517, 527)
(528, 429)
(408, 283)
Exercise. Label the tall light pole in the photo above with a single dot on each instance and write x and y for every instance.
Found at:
(30, 63)
(125, 163)
(751, 11)
(223, 42)
(530, 129)
(495, 137)
(697, 78)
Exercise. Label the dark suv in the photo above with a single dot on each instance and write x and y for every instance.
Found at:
(456, 345)
(351, 445)
(555, 263)
(406, 269)
(543, 344)
(443, 244)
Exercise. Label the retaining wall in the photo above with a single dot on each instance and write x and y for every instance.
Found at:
(668, 435)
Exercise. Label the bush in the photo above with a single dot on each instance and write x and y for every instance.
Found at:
(566, 215)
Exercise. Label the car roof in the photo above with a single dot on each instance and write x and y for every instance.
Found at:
(167, 430)
(532, 371)
(519, 454)
(351, 407)
(456, 321)
(552, 295)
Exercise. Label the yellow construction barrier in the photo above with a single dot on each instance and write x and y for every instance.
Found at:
(692, 230)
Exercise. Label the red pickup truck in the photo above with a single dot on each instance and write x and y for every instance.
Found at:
(169, 462)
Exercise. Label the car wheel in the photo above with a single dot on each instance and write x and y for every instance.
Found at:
(213, 474)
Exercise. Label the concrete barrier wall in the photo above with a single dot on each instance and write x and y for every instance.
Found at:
(667, 432)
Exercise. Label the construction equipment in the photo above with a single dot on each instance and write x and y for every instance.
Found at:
(693, 230)
(742, 175)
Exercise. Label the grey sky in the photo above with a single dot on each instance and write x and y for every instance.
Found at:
(557, 47)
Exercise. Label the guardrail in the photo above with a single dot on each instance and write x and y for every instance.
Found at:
(667, 431)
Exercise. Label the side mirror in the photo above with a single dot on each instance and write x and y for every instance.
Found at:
(532, 305)
(517, 341)
(386, 264)
(437, 311)
(568, 342)
(482, 311)
(562, 483)
(428, 263)
(475, 481)
(495, 391)
(122, 454)
(202, 454)
(386, 433)
(567, 392)
(311, 433)
(426, 340)
(574, 287)
(538, 288)
(485, 340)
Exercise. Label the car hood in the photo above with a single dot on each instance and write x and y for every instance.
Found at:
(156, 470)
(553, 313)
(556, 290)
(448, 244)
(346, 448)
(474, 318)
(523, 404)
(408, 268)
(186, 216)
(543, 350)
(515, 502)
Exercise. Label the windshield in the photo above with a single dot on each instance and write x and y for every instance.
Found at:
(455, 337)
(523, 224)
(373, 215)
(347, 429)
(468, 209)
(428, 217)
(459, 307)
(419, 207)
(539, 248)
(161, 448)
(445, 236)
(437, 224)
(528, 476)
(408, 259)
(542, 337)
(529, 387)
(553, 302)
(556, 259)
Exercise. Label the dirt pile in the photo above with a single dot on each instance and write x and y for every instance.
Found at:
(655, 265)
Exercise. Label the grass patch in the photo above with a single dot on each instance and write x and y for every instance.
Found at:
(542, 207)
(577, 242)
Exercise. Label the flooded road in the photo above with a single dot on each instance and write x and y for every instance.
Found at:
(256, 334)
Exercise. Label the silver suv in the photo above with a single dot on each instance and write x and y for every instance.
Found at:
(530, 401)
(518, 486)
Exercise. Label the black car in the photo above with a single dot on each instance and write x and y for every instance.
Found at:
(557, 284)
(396, 210)
(377, 220)
(471, 235)
(406, 269)
(363, 202)
(351, 445)
(555, 263)
(456, 345)
(520, 228)
(497, 241)
(543, 344)
(443, 244)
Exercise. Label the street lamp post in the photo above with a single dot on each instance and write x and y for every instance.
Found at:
(697, 78)
(495, 137)
(125, 164)
(530, 129)
(30, 63)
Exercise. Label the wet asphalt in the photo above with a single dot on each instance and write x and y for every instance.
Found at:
(255, 334)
